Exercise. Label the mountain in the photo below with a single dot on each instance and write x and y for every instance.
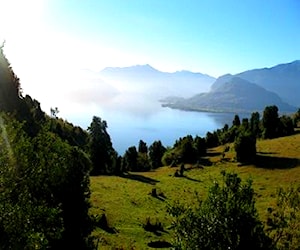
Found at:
(145, 79)
(283, 79)
(232, 94)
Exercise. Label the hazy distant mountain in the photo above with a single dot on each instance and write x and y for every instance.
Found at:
(232, 94)
(283, 79)
(146, 80)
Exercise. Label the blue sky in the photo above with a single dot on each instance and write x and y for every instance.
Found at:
(47, 40)
(209, 36)
(214, 37)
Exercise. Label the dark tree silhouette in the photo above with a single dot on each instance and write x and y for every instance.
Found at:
(156, 152)
(101, 149)
(130, 159)
(236, 121)
(142, 147)
(270, 122)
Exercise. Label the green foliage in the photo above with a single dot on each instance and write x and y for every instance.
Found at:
(156, 152)
(143, 148)
(236, 121)
(255, 124)
(100, 146)
(283, 220)
(212, 139)
(130, 159)
(9, 86)
(286, 126)
(44, 191)
(296, 118)
(74, 135)
(200, 146)
(170, 156)
(185, 150)
(226, 219)
(143, 163)
(245, 147)
(270, 122)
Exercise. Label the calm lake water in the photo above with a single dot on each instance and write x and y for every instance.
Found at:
(166, 125)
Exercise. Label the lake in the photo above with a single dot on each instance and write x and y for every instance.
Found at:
(166, 125)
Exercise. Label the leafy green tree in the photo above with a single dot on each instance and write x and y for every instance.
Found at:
(296, 118)
(245, 124)
(245, 147)
(143, 162)
(212, 140)
(236, 121)
(9, 85)
(143, 148)
(200, 146)
(226, 219)
(156, 152)
(283, 219)
(270, 122)
(101, 149)
(44, 191)
(286, 126)
(130, 159)
(255, 124)
(170, 157)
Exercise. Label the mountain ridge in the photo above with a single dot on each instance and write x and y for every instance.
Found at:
(234, 95)
(278, 85)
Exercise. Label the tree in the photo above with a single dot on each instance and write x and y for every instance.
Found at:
(283, 219)
(245, 147)
(226, 219)
(142, 147)
(296, 118)
(9, 85)
(255, 124)
(54, 112)
(200, 146)
(44, 191)
(286, 126)
(156, 152)
(101, 149)
(130, 159)
(270, 122)
(236, 121)
(212, 139)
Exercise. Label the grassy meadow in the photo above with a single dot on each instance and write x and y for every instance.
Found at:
(127, 201)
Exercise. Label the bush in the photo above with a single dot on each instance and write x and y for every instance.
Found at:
(283, 220)
(226, 219)
(245, 147)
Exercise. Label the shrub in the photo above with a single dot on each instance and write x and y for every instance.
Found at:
(245, 147)
(226, 219)
(283, 220)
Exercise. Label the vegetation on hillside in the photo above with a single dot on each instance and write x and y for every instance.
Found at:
(46, 164)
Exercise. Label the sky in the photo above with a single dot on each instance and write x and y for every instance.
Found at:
(47, 40)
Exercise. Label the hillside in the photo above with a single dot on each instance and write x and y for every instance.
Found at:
(247, 91)
(127, 202)
(283, 79)
(233, 95)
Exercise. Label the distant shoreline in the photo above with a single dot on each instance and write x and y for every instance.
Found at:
(212, 110)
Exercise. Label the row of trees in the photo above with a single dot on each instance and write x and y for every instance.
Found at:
(188, 149)
(271, 125)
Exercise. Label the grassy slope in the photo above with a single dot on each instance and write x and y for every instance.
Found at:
(127, 203)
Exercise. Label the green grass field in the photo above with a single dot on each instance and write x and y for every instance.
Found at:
(127, 201)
